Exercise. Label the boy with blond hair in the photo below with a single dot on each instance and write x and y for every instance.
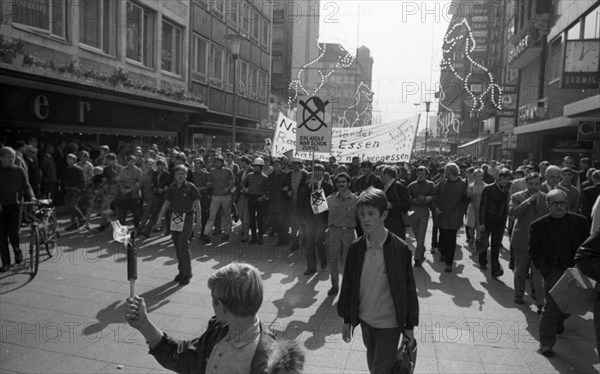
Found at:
(235, 340)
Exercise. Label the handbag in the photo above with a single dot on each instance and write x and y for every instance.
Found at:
(406, 359)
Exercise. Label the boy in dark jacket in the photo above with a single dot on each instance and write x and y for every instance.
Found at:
(378, 289)
(235, 340)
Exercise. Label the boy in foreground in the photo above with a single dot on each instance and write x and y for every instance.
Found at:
(235, 340)
(378, 288)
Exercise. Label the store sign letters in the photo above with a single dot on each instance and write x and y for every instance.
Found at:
(588, 131)
(41, 108)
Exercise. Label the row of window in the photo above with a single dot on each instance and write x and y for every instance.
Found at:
(243, 17)
(98, 30)
(212, 65)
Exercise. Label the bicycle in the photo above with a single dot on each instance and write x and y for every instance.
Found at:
(43, 230)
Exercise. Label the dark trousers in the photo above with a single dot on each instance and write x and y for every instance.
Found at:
(315, 241)
(151, 214)
(256, 209)
(205, 211)
(447, 245)
(497, 232)
(49, 189)
(296, 224)
(9, 232)
(126, 204)
(435, 230)
(181, 241)
(552, 316)
(71, 202)
(382, 347)
(280, 222)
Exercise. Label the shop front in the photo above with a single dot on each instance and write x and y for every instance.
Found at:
(53, 111)
(552, 139)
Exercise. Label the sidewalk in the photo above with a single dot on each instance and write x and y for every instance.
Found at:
(70, 317)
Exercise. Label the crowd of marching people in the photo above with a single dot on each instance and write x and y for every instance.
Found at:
(547, 210)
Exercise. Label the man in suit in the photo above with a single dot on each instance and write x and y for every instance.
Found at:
(315, 224)
(525, 207)
(553, 241)
(398, 202)
(589, 195)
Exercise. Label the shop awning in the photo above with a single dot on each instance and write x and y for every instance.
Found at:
(223, 128)
(49, 127)
(43, 83)
(550, 124)
(478, 140)
(578, 108)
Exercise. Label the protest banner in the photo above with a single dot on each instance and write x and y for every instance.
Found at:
(388, 142)
(313, 134)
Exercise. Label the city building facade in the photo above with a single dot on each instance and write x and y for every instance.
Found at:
(99, 71)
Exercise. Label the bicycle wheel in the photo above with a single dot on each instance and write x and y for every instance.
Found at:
(51, 233)
(34, 251)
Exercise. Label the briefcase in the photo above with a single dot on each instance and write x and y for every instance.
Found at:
(574, 293)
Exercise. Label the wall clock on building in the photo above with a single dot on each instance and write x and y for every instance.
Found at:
(582, 59)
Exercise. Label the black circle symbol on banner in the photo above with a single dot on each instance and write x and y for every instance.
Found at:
(310, 114)
(317, 198)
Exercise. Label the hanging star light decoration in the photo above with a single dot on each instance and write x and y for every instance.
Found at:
(344, 61)
(493, 89)
(355, 111)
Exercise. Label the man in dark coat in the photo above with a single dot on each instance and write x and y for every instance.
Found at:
(314, 224)
(493, 212)
(398, 202)
(280, 192)
(553, 241)
(589, 195)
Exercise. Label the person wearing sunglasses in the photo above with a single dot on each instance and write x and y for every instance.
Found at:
(553, 241)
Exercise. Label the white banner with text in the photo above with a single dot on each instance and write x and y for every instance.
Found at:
(388, 142)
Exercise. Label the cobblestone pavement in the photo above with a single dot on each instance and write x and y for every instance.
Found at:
(70, 317)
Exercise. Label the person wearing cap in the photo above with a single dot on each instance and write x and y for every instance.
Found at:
(280, 192)
(101, 159)
(493, 211)
(298, 178)
(222, 181)
(567, 175)
(256, 188)
(182, 199)
(130, 182)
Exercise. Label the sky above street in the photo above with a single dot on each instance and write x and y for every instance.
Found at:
(405, 39)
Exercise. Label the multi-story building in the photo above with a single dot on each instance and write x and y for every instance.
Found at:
(556, 53)
(96, 71)
(212, 72)
(295, 44)
(471, 79)
(348, 87)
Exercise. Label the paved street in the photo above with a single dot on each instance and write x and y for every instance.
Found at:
(70, 318)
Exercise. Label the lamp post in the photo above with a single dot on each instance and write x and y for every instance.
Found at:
(233, 44)
(427, 104)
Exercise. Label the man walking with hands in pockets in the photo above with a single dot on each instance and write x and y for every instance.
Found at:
(378, 289)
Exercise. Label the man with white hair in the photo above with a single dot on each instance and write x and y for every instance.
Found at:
(553, 241)
(552, 179)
